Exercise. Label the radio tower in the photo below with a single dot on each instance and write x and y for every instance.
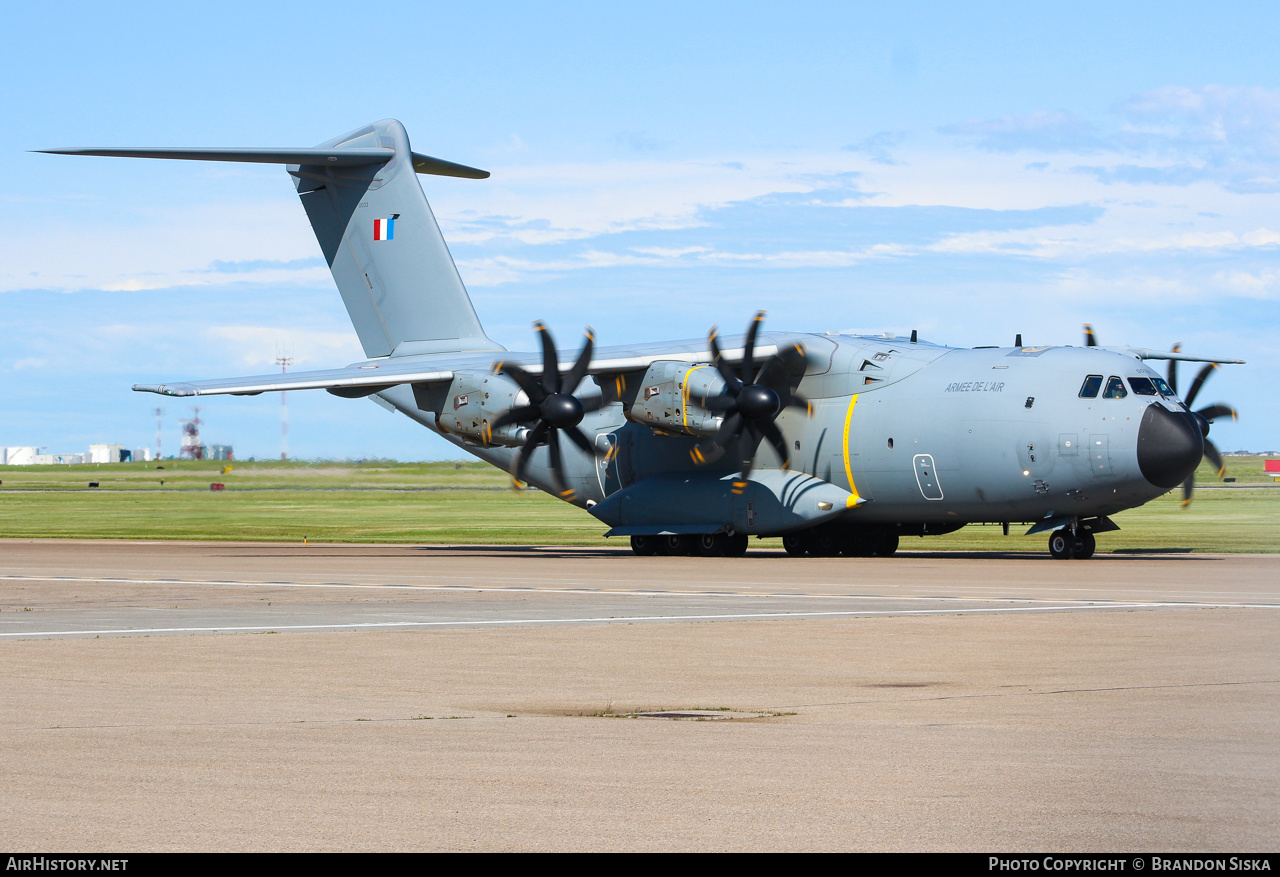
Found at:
(191, 447)
(159, 414)
(284, 360)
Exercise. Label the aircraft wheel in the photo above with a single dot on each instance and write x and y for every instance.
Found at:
(673, 545)
(824, 542)
(644, 546)
(1061, 544)
(735, 545)
(711, 544)
(859, 544)
(887, 544)
(796, 544)
(1085, 543)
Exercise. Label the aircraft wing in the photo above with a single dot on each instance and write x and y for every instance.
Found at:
(371, 376)
(1147, 353)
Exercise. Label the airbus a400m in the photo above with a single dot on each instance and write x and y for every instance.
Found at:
(836, 443)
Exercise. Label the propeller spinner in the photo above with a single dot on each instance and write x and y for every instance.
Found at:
(750, 403)
(553, 408)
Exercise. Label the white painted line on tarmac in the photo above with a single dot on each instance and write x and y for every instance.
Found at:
(610, 619)
(627, 592)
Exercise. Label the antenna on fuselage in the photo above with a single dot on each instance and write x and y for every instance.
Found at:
(1017, 340)
(913, 336)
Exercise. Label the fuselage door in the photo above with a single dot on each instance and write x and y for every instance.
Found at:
(607, 466)
(927, 477)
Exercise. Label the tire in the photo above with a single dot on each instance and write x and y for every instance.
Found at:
(1061, 544)
(887, 544)
(710, 544)
(796, 544)
(674, 546)
(825, 542)
(1085, 544)
(644, 546)
(735, 545)
(859, 543)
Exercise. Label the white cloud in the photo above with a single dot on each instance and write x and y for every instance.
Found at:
(257, 346)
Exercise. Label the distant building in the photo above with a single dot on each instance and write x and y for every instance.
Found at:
(141, 454)
(217, 452)
(57, 459)
(19, 456)
(108, 454)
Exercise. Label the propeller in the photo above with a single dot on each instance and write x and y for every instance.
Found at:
(1205, 415)
(552, 408)
(752, 399)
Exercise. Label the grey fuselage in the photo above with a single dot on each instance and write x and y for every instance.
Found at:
(916, 432)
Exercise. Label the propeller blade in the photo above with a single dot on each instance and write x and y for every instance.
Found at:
(579, 370)
(795, 400)
(779, 442)
(749, 353)
(730, 427)
(579, 438)
(536, 436)
(747, 446)
(1089, 340)
(719, 402)
(774, 375)
(1211, 451)
(1173, 369)
(717, 358)
(550, 360)
(1216, 410)
(555, 465)
(1188, 487)
(519, 414)
(1198, 383)
(527, 382)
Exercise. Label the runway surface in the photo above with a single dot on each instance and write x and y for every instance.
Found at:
(266, 696)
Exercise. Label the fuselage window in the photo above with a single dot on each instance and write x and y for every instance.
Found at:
(1142, 386)
(1115, 389)
(1089, 389)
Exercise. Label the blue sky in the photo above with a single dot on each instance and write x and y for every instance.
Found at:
(973, 171)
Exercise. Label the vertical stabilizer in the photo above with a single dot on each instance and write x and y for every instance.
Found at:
(377, 232)
(385, 250)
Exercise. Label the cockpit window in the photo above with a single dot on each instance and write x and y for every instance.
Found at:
(1115, 389)
(1142, 386)
(1089, 389)
(1165, 389)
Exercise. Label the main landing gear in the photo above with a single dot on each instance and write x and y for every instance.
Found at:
(699, 545)
(1065, 545)
(831, 541)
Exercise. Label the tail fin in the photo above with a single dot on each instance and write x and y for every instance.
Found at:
(377, 233)
(385, 250)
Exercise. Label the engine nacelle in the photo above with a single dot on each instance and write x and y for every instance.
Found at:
(661, 400)
(474, 401)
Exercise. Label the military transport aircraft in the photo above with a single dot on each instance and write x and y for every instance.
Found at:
(836, 443)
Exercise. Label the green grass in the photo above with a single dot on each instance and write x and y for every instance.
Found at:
(471, 503)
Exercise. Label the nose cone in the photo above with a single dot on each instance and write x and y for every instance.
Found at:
(1169, 446)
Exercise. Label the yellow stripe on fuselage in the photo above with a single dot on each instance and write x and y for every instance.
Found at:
(848, 466)
(684, 409)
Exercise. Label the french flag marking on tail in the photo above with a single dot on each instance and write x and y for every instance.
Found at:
(385, 229)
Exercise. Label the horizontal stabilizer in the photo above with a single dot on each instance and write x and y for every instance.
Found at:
(343, 156)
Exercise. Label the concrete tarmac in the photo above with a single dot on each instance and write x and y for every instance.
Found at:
(222, 696)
